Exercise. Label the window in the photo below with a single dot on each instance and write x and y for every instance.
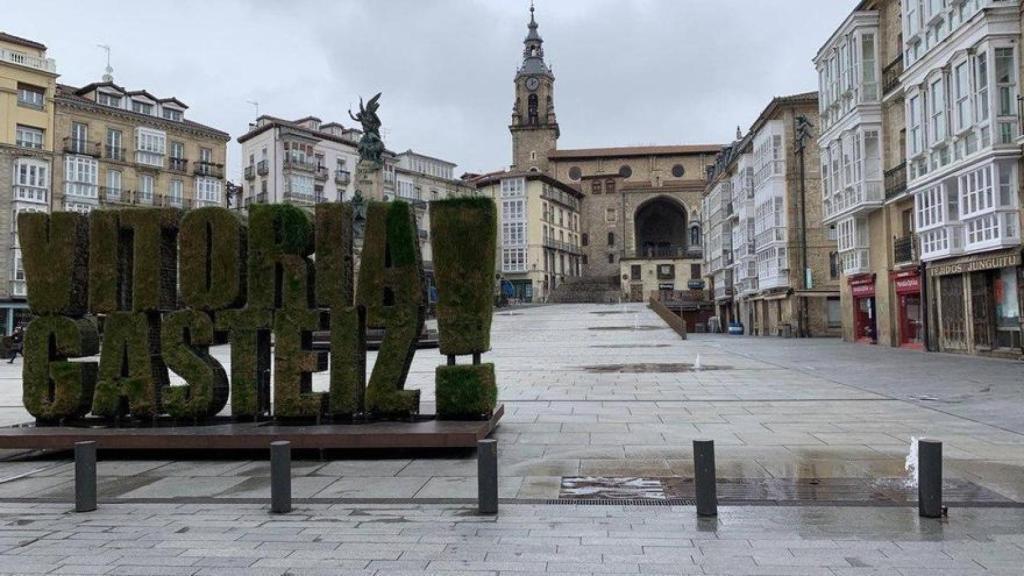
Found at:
(142, 107)
(695, 271)
(1006, 88)
(150, 146)
(694, 235)
(611, 239)
(172, 114)
(833, 312)
(177, 150)
(611, 258)
(146, 185)
(206, 155)
(937, 103)
(595, 187)
(585, 239)
(115, 151)
(299, 185)
(981, 86)
(31, 96)
(609, 186)
(635, 272)
(833, 265)
(914, 117)
(976, 194)
(962, 87)
(113, 185)
(513, 187)
(174, 194)
(513, 259)
(80, 175)
(106, 99)
(28, 137)
(31, 180)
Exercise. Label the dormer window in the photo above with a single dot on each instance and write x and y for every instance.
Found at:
(142, 107)
(112, 100)
(172, 114)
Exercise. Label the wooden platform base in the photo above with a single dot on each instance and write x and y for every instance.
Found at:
(428, 433)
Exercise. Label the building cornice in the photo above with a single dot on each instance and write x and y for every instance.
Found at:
(192, 128)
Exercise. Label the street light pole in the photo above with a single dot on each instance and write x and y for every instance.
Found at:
(802, 128)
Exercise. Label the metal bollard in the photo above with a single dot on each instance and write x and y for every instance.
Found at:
(85, 476)
(929, 478)
(704, 477)
(280, 477)
(487, 476)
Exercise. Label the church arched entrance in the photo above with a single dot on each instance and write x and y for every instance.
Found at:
(660, 228)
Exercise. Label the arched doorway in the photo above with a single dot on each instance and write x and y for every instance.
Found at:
(660, 228)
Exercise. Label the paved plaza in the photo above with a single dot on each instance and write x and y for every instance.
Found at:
(592, 392)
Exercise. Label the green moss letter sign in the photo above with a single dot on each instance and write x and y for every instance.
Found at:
(165, 285)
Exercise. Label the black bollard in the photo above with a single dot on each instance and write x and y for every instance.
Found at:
(929, 478)
(85, 476)
(280, 477)
(704, 477)
(487, 476)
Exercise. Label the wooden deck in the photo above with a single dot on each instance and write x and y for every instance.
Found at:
(427, 433)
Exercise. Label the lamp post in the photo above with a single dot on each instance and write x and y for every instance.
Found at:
(802, 130)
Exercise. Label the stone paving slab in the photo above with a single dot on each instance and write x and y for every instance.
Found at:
(199, 539)
(775, 408)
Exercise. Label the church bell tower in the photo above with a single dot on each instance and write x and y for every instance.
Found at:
(534, 126)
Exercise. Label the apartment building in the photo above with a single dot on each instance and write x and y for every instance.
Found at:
(123, 147)
(963, 148)
(539, 232)
(28, 83)
(767, 253)
(864, 173)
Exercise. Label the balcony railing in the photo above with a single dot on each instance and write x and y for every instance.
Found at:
(666, 252)
(904, 250)
(891, 75)
(896, 181)
(177, 164)
(83, 147)
(211, 169)
(320, 173)
(250, 172)
(22, 59)
(560, 245)
(261, 168)
(342, 177)
(865, 195)
(113, 152)
(299, 164)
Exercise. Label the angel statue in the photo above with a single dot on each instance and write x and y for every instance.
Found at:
(371, 147)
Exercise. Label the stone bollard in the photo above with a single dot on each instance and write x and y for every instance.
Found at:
(280, 477)
(929, 478)
(704, 477)
(85, 476)
(487, 476)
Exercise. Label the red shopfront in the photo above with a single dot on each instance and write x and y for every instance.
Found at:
(907, 284)
(862, 289)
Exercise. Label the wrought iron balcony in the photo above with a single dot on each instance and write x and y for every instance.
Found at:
(342, 177)
(320, 173)
(211, 169)
(113, 152)
(250, 172)
(261, 168)
(896, 181)
(177, 164)
(299, 164)
(891, 75)
(83, 147)
(904, 250)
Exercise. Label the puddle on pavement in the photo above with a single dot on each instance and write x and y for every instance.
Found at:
(825, 490)
(630, 328)
(607, 312)
(672, 368)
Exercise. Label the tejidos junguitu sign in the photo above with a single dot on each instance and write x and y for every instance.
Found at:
(169, 283)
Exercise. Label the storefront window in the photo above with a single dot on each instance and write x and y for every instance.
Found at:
(1005, 295)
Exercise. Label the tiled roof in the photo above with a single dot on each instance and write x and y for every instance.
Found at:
(71, 93)
(634, 151)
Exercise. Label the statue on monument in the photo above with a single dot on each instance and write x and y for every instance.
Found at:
(371, 146)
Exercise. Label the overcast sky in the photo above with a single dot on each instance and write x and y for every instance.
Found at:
(628, 72)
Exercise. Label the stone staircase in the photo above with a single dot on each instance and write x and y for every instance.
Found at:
(587, 289)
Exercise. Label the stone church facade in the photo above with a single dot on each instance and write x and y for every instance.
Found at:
(641, 205)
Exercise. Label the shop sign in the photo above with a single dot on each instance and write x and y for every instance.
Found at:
(968, 264)
(863, 286)
(908, 282)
